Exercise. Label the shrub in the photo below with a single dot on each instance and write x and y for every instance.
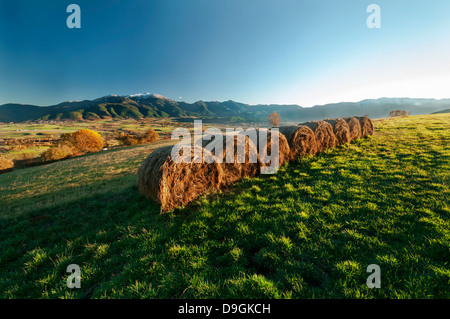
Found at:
(5, 163)
(397, 113)
(151, 136)
(134, 138)
(84, 141)
(58, 152)
(130, 140)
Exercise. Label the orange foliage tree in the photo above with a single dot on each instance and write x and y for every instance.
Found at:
(151, 136)
(84, 141)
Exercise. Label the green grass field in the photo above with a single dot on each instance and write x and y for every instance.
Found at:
(310, 231)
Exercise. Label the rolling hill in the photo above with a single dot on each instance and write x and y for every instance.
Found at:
(157, 106)
(443, 111)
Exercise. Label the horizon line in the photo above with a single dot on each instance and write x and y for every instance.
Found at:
(231, 100)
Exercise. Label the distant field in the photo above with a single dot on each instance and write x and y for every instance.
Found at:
(310, 231)
(36, 130)
(45, 132)
(102, 126)
(107, 128)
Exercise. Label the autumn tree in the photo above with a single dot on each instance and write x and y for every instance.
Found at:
(151, 136)
(84, 140)
(274, 119)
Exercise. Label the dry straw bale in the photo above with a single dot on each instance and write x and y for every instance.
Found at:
(302, 141)
(266, 152)
(366, 126)
(173, 184)
(324, 134)
(5, 164)
(355, 127)
(341, 130)
(239, 167)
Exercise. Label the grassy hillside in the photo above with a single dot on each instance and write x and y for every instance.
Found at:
(309, 231)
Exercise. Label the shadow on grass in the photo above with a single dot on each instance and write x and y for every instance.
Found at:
(280, 236)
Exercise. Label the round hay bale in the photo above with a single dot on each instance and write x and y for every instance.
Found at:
(366, 126)
(265, 153)
(172, 183)
(355, 127)
(236, 166)
(301, 139)
(6, 164)
(341, 130)
(324, 134)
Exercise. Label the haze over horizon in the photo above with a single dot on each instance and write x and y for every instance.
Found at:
(253, 51)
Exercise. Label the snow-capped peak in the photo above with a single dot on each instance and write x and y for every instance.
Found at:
(146, 95)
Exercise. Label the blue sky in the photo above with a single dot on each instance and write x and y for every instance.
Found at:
(253, 51)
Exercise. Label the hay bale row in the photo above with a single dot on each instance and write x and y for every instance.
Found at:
(172, 183)
(177, 182)
(265, 149)
(366, 126)
(341, 130)
(354, 127)
(324, 134)
(360, 126)
(235, 168)
(310, 138)
(301, 139)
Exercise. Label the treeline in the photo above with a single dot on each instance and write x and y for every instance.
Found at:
(398, 113)
(86, 141)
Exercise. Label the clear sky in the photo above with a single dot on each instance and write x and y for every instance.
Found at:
(253, 51)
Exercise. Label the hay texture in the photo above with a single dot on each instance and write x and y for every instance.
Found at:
(6, 164)
(173, 184)
(301, 139)
(235, 166)
(265, 149)
(355, 128)
(324, 134)
(366, 126)
(341, 130)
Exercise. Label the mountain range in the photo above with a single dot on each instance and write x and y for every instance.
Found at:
(157, 106)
